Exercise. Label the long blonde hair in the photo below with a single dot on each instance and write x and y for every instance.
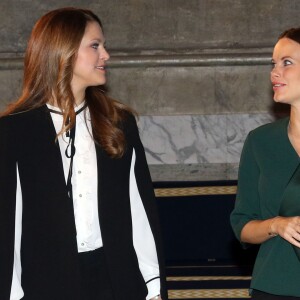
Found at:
(48, 69)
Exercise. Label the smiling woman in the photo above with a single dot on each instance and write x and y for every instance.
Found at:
(285, 75)
(267, 205)
(77, 209)
(89, 69)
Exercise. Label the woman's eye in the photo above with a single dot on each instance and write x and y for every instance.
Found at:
(273, 64)
(287, 62)
(95, 46)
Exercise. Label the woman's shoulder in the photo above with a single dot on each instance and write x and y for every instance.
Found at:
(270, 130)
(128, 122)
(20, 119)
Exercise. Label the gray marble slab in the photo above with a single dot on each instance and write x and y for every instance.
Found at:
(197, 139)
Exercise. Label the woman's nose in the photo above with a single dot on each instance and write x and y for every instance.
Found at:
(275, 73)
(105, 55)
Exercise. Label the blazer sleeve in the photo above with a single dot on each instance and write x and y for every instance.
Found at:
(247, 205)
(143, 239)
(8, 185)
(145, 189)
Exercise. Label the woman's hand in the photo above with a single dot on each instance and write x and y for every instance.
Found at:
(288, 228)
(259, 231)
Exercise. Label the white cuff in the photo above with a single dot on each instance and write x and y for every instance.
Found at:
(153, 288)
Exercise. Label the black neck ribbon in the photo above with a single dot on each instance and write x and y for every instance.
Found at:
(70, 150)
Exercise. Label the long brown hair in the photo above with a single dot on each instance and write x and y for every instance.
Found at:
(48, 69)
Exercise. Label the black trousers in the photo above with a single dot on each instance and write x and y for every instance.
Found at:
(258, 295)
(94, 276)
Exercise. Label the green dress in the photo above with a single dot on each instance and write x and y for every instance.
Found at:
(267, 187)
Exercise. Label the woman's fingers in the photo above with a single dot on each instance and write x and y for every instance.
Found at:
(289, 229)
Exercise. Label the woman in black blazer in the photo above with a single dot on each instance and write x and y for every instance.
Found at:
(77, 210)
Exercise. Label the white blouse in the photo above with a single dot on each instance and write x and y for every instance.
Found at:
(85, 202)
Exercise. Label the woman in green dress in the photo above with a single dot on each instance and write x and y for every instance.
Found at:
(267, 209)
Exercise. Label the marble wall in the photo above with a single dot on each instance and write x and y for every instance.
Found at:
(208, 146)
(197, 72)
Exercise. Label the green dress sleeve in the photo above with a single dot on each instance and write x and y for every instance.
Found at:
(247, 205)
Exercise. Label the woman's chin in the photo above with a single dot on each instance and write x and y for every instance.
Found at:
(280, 100)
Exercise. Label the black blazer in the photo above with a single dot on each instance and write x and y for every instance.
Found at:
(48, 244)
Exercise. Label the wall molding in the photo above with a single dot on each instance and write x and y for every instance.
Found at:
(190, 60)
(156, 58)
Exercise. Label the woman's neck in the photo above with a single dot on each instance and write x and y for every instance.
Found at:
(79, 99)
(294, 125)
(294, 128)
(79, 95)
